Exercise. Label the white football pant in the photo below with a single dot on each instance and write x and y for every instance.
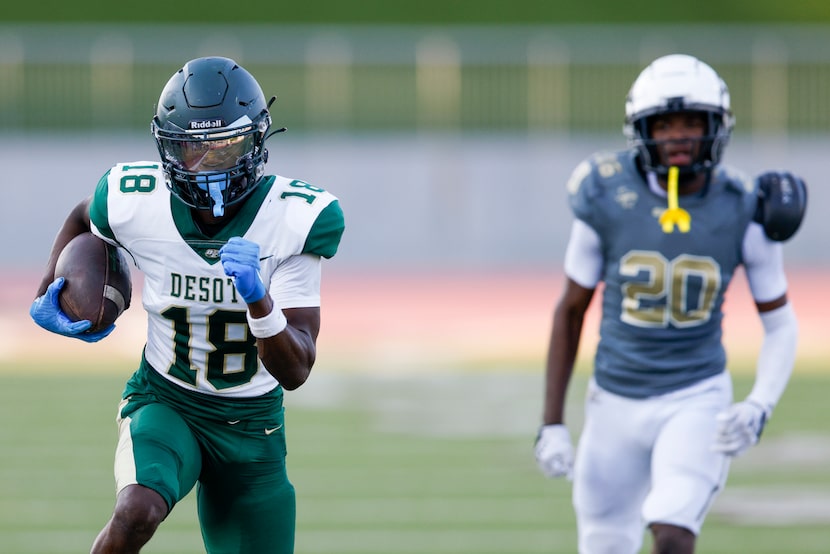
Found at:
(643, 461)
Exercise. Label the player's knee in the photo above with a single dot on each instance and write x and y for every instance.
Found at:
(671, 539)
(608, 544)
(139, 511)
(613, 538)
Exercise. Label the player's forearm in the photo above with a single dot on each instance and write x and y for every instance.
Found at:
(558, 376)
(777, 356)
(76, 222)
(287, 350)
(288, 356)
(564, 344)
(555, 391)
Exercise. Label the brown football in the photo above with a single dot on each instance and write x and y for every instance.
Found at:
(98, 284)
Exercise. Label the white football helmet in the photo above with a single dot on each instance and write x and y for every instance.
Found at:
(679, 83)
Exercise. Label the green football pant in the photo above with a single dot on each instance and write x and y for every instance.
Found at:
(246, 503)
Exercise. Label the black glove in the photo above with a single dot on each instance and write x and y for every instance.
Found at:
(782, 201)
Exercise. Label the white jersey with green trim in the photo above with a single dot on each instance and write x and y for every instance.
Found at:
(198, 335)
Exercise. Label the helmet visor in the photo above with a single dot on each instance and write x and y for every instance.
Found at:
(197, 156)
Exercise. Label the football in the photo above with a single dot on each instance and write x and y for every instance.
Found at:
(98, 283)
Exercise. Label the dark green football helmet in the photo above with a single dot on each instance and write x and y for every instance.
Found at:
(210, 127)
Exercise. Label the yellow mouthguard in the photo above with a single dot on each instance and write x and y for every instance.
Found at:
(674, 215)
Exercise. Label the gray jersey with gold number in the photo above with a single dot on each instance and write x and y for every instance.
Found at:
(663, 296)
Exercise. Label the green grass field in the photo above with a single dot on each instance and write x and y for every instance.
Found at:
(436, 464)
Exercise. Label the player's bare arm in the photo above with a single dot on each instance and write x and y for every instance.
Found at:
(46, 310)
(772, 304)
(76, 222)
(554, 448)
(568, 318)
(290, 354)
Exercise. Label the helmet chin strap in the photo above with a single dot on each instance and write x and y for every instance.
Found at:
(214, 185)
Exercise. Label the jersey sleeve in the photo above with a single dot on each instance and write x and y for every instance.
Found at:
(583, 256)
(296, 282)
(581, 190)
(324, 237)
(99, 210)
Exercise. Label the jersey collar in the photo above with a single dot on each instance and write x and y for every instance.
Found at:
(207, 247)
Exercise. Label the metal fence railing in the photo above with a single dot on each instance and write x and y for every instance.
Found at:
(534, 78)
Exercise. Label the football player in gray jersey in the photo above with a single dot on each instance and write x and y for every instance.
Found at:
(231, 259)
(664, 225)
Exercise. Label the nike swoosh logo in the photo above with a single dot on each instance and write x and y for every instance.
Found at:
(269, 431)
(234, 422)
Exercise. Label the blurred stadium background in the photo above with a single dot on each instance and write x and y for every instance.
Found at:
(448, 131)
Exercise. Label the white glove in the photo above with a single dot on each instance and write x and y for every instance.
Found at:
(739, 427)
(554, 452)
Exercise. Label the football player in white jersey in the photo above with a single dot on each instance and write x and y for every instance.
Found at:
(231, 259)
(664, 225)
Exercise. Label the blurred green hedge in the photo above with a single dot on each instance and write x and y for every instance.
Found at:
(422, 11)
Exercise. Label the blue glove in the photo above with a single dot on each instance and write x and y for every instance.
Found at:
(46, 312)
(240, 260)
